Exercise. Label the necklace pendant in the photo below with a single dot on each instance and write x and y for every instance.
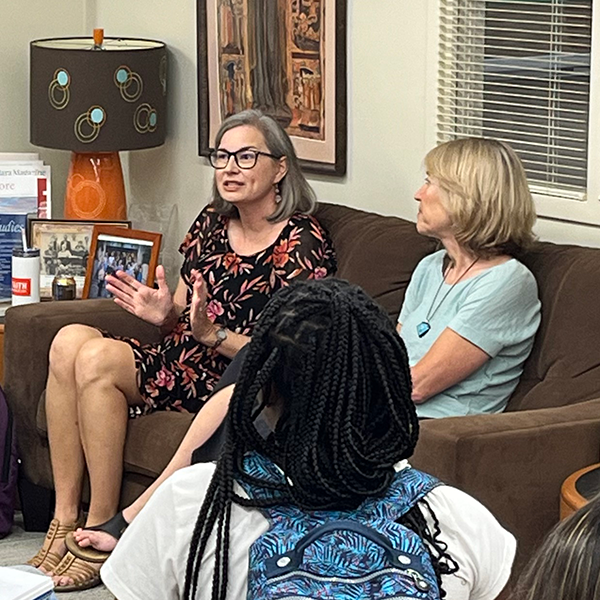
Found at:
(423, 328)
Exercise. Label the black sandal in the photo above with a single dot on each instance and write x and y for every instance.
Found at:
(115, 527)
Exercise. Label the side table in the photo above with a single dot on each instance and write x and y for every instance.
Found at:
(578, 489)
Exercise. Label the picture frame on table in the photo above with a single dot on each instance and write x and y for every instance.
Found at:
(286, 58)
(64, 246)
(114, 249)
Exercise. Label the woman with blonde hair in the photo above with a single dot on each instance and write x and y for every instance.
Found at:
(567, 566)
(471, 310)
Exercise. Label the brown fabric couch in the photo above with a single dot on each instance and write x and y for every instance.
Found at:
(514, 462)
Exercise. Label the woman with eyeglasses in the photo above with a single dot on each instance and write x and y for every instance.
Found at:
(256, 236)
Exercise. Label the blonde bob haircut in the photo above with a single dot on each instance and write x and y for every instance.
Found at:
(486, 195)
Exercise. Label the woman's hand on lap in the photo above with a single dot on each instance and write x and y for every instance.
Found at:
(151, 305)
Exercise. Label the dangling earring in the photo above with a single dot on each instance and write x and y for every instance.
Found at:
(277, 194)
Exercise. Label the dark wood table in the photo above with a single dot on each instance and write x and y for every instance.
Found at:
(578, 489)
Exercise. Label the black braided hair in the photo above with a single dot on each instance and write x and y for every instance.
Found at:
(327, 359)
(443, 563)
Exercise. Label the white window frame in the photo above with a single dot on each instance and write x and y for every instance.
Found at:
(565, 207)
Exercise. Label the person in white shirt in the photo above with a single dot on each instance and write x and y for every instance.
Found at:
(324, 393)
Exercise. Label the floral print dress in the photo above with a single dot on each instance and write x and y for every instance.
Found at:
(179, 373)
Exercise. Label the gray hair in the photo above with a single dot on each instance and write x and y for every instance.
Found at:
(296, 193)
(567, 565)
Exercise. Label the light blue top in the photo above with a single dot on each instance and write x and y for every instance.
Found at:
(498, 310)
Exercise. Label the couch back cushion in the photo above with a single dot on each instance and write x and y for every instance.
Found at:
(375, 252)
(380, 253)
(564, 366)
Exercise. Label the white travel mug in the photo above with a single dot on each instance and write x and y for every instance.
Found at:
(25, 276)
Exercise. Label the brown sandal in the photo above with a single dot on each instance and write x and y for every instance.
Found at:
(115, 527)
(84, 575)
(57, 531)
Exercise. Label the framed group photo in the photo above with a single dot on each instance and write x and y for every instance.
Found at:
(284, 57)
(115, 249)
(64, 249)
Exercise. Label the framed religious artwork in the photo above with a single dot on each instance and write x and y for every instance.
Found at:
(284, 57)
(64, 249)
(114, 249)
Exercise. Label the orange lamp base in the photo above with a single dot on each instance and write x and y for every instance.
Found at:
(95, 187)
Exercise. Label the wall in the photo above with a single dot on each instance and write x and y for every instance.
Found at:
(386, 109)
(22, 21)
(389, 114)
(391, 84)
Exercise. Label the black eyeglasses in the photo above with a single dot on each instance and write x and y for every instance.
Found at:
(245, 158)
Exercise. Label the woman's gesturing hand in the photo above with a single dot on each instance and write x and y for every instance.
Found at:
(202, 327)
(154, 306)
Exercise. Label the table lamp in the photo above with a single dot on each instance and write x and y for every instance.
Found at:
(95, 97)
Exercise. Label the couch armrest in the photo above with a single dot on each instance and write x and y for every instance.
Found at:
(29, 331)
(513, 462)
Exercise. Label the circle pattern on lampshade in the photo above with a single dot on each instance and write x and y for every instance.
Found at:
(130, 84)
(88, 125)
(62, 77)
(58, 90)
(145, 119)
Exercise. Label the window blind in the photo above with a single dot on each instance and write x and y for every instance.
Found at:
(519, 71)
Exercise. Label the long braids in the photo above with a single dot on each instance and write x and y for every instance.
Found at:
(342, 384)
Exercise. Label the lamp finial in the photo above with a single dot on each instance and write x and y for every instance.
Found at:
(98, 38)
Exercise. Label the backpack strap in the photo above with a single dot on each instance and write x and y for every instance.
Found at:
(408, 487)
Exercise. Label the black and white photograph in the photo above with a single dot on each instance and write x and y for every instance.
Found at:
(132, 251)
(64, 249)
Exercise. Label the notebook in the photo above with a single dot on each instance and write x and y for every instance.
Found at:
(24, 585)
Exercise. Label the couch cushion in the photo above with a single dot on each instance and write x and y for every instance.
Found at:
(40, 416)
(153, 439)
(375, 252)
(564, 366)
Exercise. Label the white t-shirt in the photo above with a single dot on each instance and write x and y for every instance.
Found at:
(150, 560)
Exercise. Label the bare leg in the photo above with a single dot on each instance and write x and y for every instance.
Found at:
(63, 432)
(106, 384)
(202, 427)
(63, 421)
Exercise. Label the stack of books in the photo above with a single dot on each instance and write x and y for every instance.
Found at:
(24, 189)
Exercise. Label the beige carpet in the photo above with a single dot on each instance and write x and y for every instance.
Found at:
(19, 546)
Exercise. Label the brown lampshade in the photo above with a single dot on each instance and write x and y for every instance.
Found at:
(87, 98)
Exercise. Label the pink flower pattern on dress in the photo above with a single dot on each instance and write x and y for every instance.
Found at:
(320, 273)
(165, 379)
(214, 309)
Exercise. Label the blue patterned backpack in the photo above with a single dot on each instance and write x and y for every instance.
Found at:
(341, 555)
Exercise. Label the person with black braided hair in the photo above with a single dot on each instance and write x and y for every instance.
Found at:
(323, 396)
